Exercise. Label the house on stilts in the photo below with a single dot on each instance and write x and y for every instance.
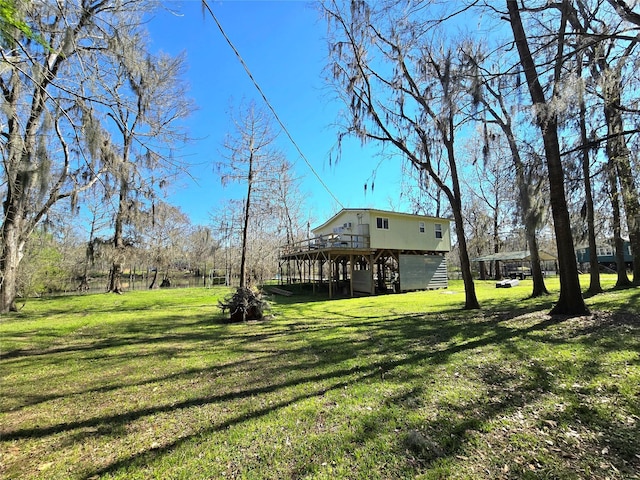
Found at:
(363, 250)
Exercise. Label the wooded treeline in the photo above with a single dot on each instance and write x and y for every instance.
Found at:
(519, 121)
(542, 96)
(163, 249)
(89, 115)
(91, 124)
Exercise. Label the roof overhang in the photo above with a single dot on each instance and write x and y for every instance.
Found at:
(520, 256)
(376, 211)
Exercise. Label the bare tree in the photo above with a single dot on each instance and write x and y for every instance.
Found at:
(479, 222)
(251, 157)
(96, 222)
(589, 212)
(162, 239)
(625, 10)
(491, 173)
(571, 301)
(620, 159)
(404, 87)
(147, 100)
(608, 59)
(496, 94)
(202, 248)
(47, 115)
(227, 221)
(285, 204)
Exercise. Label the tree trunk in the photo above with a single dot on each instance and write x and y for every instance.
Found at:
(88, 258)
(154, 282)
(621, 269)
(115, 274)
(632, 211)
(455, 199)
(115, 278)
(594, 267)
(530, 220)
(617, 151)
(496, 245)
(12, 252)
(243, 260)
(204, 275)
(15, 228)
(529, 214)
(497, 270)
(471, 300)
(570, 301)
(619, 154)
(539, 288)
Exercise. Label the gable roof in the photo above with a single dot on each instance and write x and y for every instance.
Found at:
(382, 212)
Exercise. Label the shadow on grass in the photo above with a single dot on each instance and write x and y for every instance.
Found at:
(135, 332)
(324, 359)
(456, 424)
(385, 335)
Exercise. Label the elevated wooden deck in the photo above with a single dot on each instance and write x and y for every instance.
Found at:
(336, 244)
(341, 260)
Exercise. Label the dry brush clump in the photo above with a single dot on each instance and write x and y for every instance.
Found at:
(244, 304)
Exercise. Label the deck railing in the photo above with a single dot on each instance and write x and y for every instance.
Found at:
(325, 242)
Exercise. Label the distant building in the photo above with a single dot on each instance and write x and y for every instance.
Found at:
(368, 250)
(518, 264)
(606, 255)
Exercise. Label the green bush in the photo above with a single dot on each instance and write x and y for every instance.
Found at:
(43, 269)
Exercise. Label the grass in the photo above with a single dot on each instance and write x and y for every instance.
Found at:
(155, 385)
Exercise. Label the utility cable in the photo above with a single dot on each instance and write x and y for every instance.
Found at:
(266, 101)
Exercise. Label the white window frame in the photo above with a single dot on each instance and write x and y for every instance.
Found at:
(438, 230)
(382, 223)
(421, 227)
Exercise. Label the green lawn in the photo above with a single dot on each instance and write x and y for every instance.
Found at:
(154, 384)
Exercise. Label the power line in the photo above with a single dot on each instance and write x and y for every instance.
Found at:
(266, 101)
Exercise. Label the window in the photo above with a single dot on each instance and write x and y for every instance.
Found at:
(604, 251)
(382, 223)
(438, 230)
(421, 227)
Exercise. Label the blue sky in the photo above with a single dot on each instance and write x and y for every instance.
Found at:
(283, 44)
